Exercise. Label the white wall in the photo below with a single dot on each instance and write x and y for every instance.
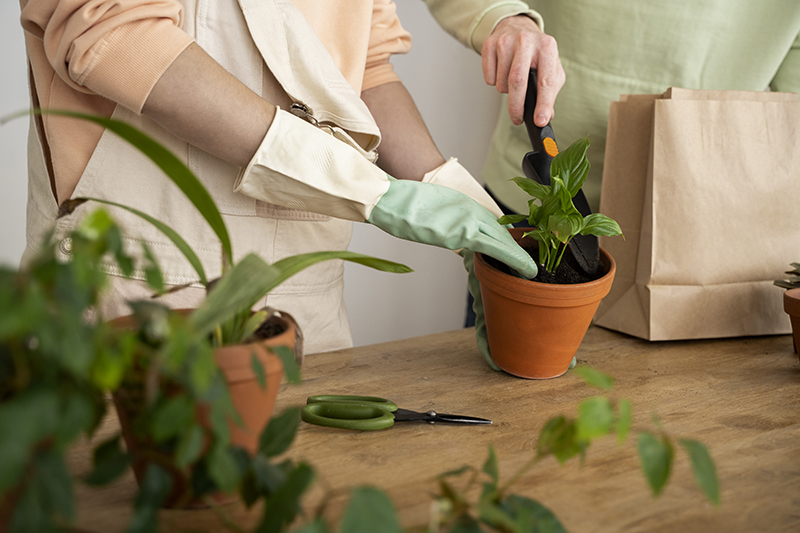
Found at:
(446, 82)
(13, 136)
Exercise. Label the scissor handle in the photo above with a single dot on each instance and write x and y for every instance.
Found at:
(374, 401)
(347, 415)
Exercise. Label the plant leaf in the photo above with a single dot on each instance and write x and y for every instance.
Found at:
(152, 271)
(268, 477)
(153, 491)
(533, 188)
(279, 433)
(466, 524)
(533, 517)
(594, 377)
(284, 504)
(317, 526)
(572, 166)
(624, 418)
(558, 437)
(290, 367)
(595, 417)
(249, 280)
(705, 472)
(174, 416)
(290, 266)
(24, 420)
(490, 466)
(370, 510)
(656, 457)
(110, 462)
(455, 472)
(223, 469)
(189, 447)
(252, 278)
(258, 370)
(600, 225)
(253, 323)
(496, 516)
(511, 219)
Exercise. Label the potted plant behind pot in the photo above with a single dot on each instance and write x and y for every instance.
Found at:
(791, 302)
(174, 404)
(535, 326)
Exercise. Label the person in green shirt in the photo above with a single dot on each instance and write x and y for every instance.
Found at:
(612, 47)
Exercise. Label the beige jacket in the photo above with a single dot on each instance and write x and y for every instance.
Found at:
(270, 46)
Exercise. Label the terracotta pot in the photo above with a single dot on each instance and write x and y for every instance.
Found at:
(254, 404)
(791, 304)
(535, 329)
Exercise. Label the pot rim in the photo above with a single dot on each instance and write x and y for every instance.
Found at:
(550, 294)
(235, 361)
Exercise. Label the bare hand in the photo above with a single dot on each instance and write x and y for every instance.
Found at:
(515, 46)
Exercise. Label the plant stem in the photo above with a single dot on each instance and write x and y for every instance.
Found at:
(519, 473)
(563, 249)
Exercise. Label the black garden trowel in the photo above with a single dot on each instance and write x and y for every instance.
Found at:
(536, 166)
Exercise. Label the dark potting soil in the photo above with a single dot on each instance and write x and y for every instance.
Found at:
(271, 328)
(567, 273)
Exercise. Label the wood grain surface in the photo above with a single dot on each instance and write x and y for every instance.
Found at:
(741, 397)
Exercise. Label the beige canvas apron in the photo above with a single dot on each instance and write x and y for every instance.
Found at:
(256, 33)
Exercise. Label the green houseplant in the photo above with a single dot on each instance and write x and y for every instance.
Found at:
(50, 395)
(791, 301)
(54, 367)
(181, 419)
(535, 327)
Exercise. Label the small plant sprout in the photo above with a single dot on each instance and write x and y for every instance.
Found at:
(552, 212)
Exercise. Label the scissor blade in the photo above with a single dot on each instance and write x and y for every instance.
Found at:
(404, 415)
(460, 419)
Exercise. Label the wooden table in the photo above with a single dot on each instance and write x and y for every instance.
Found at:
(741, 397)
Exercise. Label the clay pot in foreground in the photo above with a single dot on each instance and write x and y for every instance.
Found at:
(254, 404)
(535, 329)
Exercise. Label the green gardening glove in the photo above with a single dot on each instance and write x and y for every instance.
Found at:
(477, 306)
(440, 216)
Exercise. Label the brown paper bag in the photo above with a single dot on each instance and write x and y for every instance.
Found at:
(706, 188)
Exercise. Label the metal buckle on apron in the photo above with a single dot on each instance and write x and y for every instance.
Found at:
(301, 110)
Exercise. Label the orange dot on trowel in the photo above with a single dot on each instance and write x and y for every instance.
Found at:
(550, 147)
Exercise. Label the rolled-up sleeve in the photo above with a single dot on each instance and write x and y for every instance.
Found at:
(117, 49)
(473, 21)
(387, 37)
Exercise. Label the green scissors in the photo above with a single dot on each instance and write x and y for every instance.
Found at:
(369, 413)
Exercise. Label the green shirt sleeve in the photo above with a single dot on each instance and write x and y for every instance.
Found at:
(787, 79)
(472, 21)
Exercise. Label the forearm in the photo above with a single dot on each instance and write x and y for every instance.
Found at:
(200, 102)
(407, 150)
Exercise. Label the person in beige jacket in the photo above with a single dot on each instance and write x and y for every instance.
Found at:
(281, 109)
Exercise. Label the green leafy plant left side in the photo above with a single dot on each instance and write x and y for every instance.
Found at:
(55, 364)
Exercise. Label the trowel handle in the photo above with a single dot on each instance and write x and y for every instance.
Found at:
(543, 140)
